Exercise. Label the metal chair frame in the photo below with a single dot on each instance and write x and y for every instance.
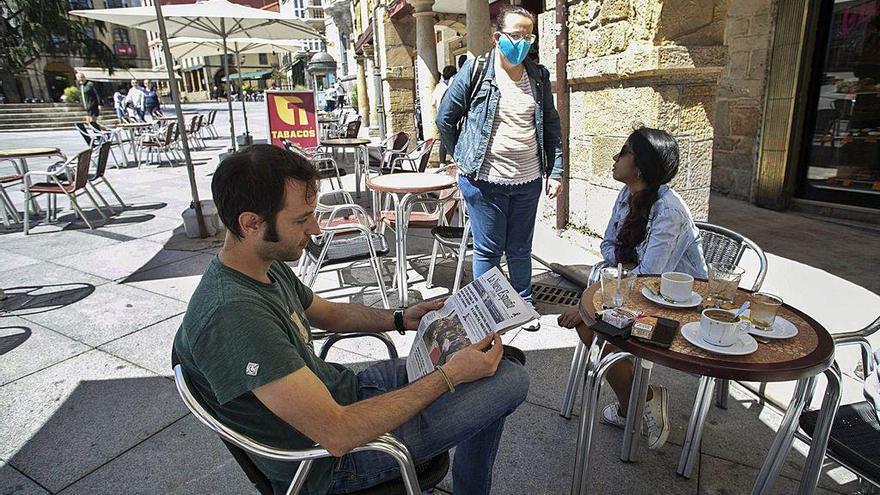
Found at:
(7, 207)
(163, 142)
(63, 178)
(320, 158)
(360, 227)
(98, 177)
(831, 402)
(385, 443)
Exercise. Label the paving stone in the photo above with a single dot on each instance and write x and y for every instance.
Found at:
(536, 455)
(140, 222)
(10, 260)
(26, 347)
(177, 239)
(150, 347)
(63, 422)
(724, 477)
(12, 482)
(111, 311)
(209, 466)
(176, 280)
(53, 245)
(118, 261)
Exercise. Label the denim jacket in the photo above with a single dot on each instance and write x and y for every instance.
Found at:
(471, 142)
(672, 242)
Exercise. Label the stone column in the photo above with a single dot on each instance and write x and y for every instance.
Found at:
(371, 91)
(479, 28)
(426, 58)
(363, 96)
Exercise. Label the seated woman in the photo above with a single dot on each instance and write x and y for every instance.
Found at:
(651, 231)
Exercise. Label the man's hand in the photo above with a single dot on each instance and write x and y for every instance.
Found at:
(474, 362)
(554, 188)
(412, 316)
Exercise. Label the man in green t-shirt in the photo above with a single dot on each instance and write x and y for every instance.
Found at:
(244, 346)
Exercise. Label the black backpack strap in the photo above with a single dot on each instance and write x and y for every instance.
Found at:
(478, 74)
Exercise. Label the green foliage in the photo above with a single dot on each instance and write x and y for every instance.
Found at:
(354, 97)
(31, 28)
(71, 95)
(248, 88)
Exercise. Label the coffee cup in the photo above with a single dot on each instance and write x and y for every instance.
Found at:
(676, 286)
(720, 327)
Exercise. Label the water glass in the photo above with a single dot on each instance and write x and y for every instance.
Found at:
(763, 309)
(723, 281)
(616, 292)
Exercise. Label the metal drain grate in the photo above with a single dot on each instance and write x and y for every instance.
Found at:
(551, 294)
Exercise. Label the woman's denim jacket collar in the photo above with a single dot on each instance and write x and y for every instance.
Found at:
(471, 142)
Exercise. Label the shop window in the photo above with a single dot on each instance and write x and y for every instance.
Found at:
(842, 132)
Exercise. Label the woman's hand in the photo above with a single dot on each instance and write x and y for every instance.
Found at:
(570, 319)
(554, 188)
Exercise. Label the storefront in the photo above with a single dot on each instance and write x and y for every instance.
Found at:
(840, 148)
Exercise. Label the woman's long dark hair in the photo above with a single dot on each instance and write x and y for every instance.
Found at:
(655, 153)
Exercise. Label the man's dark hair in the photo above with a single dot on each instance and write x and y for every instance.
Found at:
(253, 179)
(448, 72)
(508, 10)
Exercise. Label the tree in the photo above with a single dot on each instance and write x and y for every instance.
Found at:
(30, 29)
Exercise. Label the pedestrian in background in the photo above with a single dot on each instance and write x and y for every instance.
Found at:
(151, 100)
(340, 94)
(500, 171)
(90, 98)
(119, 102)
(445, 79)
(135, 96)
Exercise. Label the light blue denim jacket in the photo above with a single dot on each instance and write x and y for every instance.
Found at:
(672, 242)
(470, 144)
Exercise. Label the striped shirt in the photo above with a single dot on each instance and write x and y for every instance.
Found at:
(512, 154)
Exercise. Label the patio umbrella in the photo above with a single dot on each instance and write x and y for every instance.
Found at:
(215, 19)
(203, 47)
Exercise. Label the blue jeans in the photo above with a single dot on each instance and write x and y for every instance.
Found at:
(503, 223)
(471, 419)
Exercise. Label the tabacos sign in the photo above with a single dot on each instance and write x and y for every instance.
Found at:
(292, 118)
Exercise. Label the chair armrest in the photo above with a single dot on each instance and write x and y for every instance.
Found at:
(357, 210)
(594, 272)
(856, 338)
(346, 196)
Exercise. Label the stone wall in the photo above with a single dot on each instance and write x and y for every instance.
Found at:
(398, 74)
(635, 62)
(740, 101)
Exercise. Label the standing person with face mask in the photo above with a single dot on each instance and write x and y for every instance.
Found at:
(498, 117)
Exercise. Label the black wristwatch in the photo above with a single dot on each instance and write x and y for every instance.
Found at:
(398, 321)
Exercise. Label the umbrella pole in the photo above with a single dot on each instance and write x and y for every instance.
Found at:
(243, 109)
(181, 129)
(228, 82)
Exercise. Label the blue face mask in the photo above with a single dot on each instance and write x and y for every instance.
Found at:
(514, 51)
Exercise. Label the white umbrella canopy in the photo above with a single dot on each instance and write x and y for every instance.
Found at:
(215, 19)
(208, 19)
(182, 47)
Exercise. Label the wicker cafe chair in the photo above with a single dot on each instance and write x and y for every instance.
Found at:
(346, 236)
(414, 478)
(98, 178)
(323, 161)
(853, 433)
(719, 245)
(61, 182)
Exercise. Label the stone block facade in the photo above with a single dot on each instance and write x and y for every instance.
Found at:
(398, 47)
(639, 62)
(740, 101)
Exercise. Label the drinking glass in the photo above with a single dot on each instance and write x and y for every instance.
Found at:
(724, 279)
(763, 309)
(616, 292)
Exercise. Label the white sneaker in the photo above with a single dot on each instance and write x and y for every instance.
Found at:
(657, 418)
(611, 416)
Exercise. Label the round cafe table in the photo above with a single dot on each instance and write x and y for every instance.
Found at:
(801, 358)
(20, 157)
(361, 159)
(405, 188)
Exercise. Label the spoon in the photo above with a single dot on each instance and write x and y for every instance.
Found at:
(742, 309)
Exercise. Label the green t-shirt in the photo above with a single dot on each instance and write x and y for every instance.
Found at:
(238, 334)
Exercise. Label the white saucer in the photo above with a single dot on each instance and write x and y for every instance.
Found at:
(781, 329)
(745, 345)
(693, 302)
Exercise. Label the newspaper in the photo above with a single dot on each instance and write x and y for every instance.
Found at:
(486, 305)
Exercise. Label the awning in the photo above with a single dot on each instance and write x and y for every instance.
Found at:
(365, 38)
(101, 74)
(250, 75)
